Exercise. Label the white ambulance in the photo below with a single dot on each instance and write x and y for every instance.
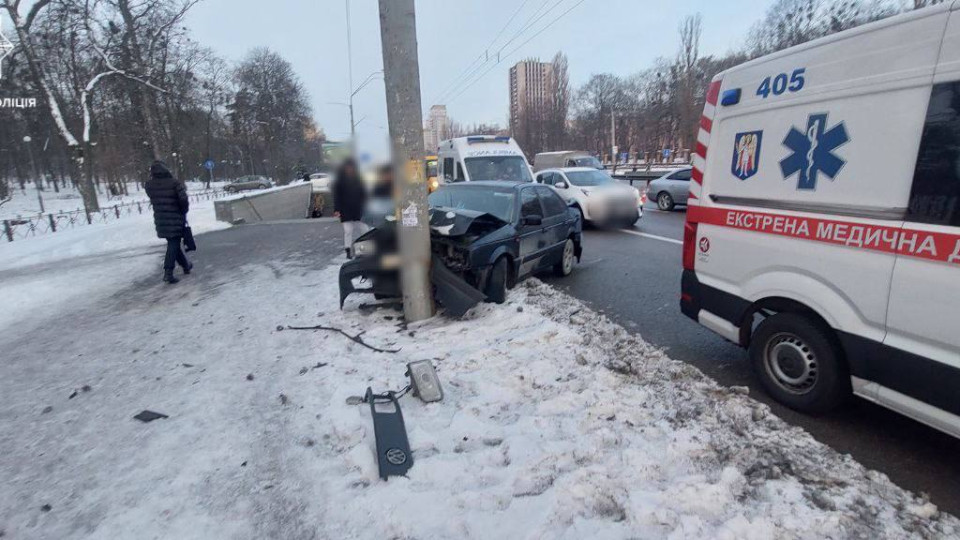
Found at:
(482, 157)
(823, 228)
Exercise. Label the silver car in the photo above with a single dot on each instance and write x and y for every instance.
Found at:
(670, 189)
(248, 182)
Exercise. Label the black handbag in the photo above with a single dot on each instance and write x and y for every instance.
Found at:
(189, 244)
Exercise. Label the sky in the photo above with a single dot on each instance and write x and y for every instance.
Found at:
(598, 36)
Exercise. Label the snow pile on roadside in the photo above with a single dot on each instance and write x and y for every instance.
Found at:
(576, 428)
(556, 423)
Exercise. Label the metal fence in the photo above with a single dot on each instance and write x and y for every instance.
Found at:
(21, 228)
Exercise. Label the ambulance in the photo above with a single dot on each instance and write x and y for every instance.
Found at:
(482, 157)
(823, 227)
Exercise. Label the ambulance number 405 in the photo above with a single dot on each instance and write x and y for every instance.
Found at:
(781, 84)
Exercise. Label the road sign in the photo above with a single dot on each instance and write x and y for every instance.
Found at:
(666, 153)
(209, 164)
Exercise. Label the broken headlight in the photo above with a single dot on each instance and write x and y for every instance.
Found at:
(364, 248)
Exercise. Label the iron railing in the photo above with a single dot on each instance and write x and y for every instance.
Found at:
(23, 227)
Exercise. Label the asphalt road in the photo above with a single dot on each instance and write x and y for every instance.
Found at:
(633, 276)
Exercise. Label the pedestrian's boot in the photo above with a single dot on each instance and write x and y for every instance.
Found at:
(349, 252)
(168, 277)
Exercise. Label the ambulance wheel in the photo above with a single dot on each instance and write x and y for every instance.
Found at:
(799, 362)
(665, 201)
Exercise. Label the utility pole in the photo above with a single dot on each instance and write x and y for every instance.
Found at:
(613, 141)
(401, 74)
(353, 127)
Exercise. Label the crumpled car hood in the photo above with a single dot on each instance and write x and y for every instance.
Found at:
(453, 222)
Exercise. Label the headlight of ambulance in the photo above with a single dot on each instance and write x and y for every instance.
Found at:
(433, 184)
(364, 248)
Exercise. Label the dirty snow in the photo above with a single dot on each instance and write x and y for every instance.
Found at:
(90, 259)
(556, 423)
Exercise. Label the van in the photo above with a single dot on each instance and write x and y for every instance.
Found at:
(564, 159)
(823, 221)
(482, 157)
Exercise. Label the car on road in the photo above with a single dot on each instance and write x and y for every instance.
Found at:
(823, 230)
(670, 189)
(565, 158)
(245, 183)
(485, 237)
(598, 197)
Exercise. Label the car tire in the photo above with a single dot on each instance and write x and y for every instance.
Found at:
(800, 363)
(496, 288)
(565, 266)
(665, 201)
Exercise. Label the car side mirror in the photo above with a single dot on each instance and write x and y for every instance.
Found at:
(561, 185)
(534, 219)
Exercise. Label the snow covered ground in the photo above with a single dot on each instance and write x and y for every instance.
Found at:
(556, 423)
(90, 260)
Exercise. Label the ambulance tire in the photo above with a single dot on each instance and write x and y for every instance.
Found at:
(800, 363)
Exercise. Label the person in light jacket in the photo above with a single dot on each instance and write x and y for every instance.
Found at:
(168, 196)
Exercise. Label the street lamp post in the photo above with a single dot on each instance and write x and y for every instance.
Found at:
(33, 168)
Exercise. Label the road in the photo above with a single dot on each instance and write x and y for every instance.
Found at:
(633, 276)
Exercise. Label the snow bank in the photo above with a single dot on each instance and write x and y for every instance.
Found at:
(556, 423)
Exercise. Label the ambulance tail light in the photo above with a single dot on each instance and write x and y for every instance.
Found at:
(689, 245)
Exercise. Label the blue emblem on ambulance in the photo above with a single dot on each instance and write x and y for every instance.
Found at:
(746, 154)
(813, 151)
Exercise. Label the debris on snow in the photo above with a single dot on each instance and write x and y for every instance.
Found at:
(149, 416)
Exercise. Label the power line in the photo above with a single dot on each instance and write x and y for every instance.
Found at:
(515, 49)
(486, 55)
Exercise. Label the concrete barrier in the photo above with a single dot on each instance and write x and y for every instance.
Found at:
(286, 202)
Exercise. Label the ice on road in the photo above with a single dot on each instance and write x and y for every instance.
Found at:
(556, 423)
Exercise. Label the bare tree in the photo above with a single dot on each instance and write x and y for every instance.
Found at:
(559, 105)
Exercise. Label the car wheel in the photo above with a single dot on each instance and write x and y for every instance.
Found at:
(496, 289)
(799, 362)
(665, 201)
(565, 266)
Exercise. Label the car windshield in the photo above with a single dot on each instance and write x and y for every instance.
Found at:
(510, 168)
(588, 162)
(431, 168)
(496, 202)
(589, 178)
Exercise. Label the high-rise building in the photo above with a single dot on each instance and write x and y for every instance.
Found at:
(435, 128)
(530, 83)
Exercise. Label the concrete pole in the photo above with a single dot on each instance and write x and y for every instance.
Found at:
(613, 141)
(353, 127)
(401, 75)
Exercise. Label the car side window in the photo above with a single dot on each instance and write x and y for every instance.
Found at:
(547, 178)
(571, 163)
(681, 175)
(935, 195)
(448, 168)
(529, 203)
(553, 205)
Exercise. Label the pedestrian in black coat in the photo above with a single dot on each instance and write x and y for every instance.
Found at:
(349, 200)
(168, 196)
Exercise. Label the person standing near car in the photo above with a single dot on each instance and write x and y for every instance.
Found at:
(349, 200)
(168, 196)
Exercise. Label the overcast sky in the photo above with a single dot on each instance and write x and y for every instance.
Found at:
(598, 36)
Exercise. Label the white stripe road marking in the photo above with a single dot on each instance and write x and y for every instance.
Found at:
(653, 236)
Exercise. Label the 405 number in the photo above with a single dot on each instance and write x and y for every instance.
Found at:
(779, 84)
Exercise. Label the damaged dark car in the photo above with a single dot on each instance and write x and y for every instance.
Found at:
(485, 237)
